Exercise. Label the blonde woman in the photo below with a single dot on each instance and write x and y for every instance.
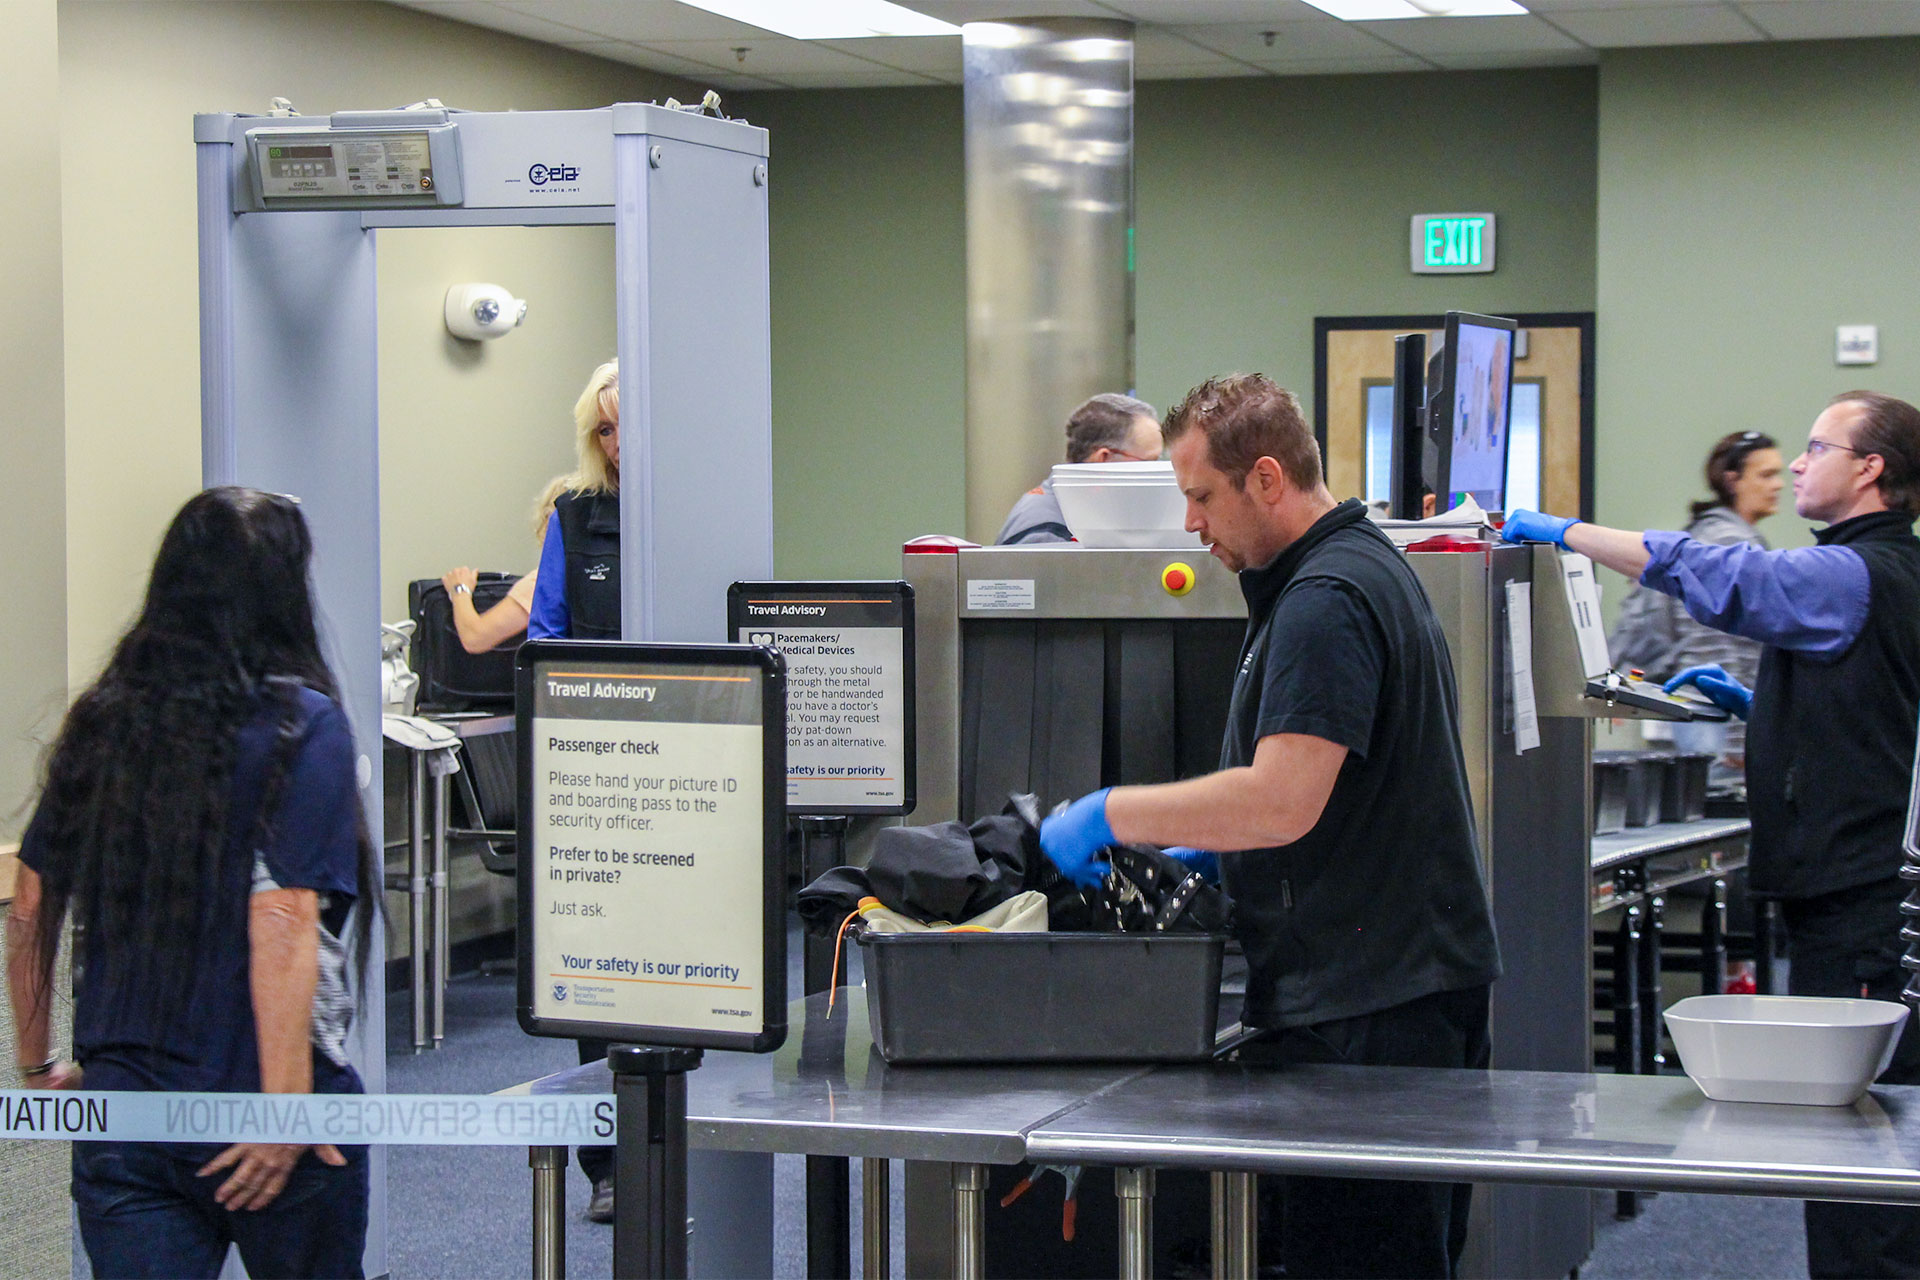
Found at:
(577, 595)
(478, 631)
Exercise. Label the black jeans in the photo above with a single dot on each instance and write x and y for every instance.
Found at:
(143, 1213)
(1848, 944)
(1361, 1226)
(595, 1162)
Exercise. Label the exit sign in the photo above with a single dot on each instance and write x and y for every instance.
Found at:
(1452, 243)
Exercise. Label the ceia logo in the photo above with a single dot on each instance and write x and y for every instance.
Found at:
(560, 992)
(598, 572)
(541, 174)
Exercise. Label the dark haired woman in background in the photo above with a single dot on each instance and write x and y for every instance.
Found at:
(202, 822)
(1655, 633)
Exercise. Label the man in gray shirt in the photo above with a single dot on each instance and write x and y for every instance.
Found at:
(1107, 428)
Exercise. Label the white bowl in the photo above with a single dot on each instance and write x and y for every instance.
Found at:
(1800, 1049)
(1142, 507)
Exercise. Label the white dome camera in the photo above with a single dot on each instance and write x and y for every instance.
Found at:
(478, 312)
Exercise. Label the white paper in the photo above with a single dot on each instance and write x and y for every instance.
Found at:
(1526, 717)
(1583, 599)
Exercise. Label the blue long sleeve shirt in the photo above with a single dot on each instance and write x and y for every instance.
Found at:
(1812, 600)
(550, 618)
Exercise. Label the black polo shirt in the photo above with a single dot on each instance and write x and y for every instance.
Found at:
(1382, 902)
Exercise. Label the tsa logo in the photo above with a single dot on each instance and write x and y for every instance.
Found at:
(760, 637)
(560, 992)
(541, 174)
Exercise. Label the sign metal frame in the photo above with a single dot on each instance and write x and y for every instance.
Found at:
(771, 668)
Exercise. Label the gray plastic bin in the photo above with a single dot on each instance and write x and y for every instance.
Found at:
(1043, 997)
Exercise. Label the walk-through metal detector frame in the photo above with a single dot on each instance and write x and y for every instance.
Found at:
(290, 394)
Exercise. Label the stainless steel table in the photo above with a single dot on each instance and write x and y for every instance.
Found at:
(1606, 1131)
(828, 1092)
(429, 959)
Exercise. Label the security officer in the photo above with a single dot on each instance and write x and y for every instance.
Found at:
(1340, 810)
(1107, 428)
(1830, 729)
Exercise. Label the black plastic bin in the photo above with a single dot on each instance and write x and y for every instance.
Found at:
(1683, 786)
(1043, 997)
(1609, 794)
(1642, 771)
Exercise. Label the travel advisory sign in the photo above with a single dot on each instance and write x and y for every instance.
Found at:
(849, 652)
(651, 822)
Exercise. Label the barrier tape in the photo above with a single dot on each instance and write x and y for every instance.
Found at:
(397, 1119)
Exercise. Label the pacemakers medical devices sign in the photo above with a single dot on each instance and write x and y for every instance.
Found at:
(651, 824)
(849, 652)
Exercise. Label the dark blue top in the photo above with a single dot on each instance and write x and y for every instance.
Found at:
(1812, 600)
(549, 617)
(210, 1046)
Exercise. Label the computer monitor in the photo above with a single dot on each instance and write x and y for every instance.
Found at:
(1470, 399)
(1406, 483)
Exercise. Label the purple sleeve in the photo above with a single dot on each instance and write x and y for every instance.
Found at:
(549, 619)
(1812, 600)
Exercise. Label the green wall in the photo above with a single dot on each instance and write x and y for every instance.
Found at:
(1261, 203)
(1751, 198)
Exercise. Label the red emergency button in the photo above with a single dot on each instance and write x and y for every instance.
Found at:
(1177, 578)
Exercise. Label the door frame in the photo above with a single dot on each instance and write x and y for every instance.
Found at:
(1581, 320)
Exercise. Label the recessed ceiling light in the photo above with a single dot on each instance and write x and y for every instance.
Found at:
(828, 19)
(1376, 10)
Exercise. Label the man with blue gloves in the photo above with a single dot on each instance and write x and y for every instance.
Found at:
(1340, 811)
(1831, 728)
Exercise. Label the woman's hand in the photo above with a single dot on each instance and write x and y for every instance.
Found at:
(260, 1171)
(461, 577)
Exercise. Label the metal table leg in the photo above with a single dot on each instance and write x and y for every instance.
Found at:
(549, 1165)
(969, 1221)
(1626, 1021)
(1713, 940)
(1236, 1247)
(442, 930)
(876, 1206)
(1765, 919)
(1134, 1187)
(417, 881)
(1651, 1058)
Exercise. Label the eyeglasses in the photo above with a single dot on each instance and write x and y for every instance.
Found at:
(1817, 447)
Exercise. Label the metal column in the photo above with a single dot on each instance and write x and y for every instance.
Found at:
(876, 1209)
(1134, 1187)
(549, 1165)
(969, 1221)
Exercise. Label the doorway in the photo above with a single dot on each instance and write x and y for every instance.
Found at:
(1550, 464)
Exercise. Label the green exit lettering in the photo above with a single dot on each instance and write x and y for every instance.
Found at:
(1454, 242)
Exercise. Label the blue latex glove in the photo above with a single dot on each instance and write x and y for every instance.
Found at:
(1531, 526)
(1206, 862)
(1722, 690)
(1074, 838)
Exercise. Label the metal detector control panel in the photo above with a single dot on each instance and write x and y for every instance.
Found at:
(295, 167)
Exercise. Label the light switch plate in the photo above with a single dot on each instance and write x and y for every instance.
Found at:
(1856, 344)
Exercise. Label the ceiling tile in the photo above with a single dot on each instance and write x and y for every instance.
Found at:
(1551, 7)
(1505, 61)
(1834, 19)
(1220, 70)
(1294, 40)
(1193, 13)
(501, 18)
(1430, 37)
(1346, 66)
(766, 55)
(1157, 50)
(653, 60)
(937, 54)
(878, 78)
(647, 22)
(963, 11)
(1656, 24)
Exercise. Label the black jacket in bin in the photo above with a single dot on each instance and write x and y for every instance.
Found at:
(1382, 902)
(590, 536)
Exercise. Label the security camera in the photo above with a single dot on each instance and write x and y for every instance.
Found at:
(481, 311)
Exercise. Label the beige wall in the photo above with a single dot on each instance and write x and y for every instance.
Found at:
(468, 435)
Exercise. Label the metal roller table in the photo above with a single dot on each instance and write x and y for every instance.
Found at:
(828, 1092)
(1604, 1131)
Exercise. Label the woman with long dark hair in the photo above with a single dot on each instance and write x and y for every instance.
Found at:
(201, 822)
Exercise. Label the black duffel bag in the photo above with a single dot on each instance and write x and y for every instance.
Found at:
(451, 679)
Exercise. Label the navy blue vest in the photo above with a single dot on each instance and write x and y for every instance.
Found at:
(590, 536)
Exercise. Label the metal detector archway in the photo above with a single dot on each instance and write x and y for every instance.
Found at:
(290, 208)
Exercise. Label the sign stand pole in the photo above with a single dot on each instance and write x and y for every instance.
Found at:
(650, 1165)
(823, 846)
